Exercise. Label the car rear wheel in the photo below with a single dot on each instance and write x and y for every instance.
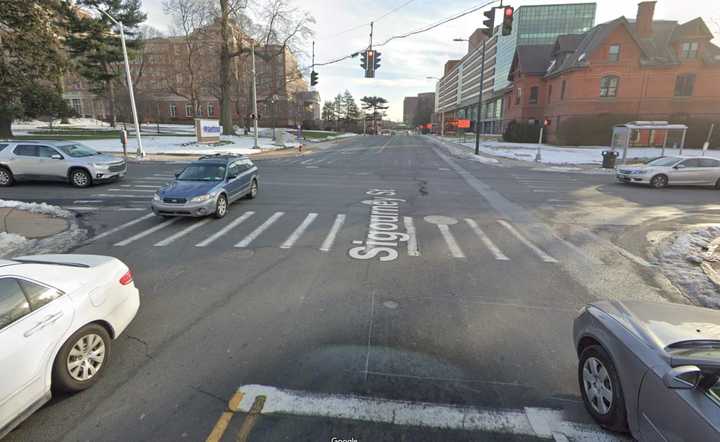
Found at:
(601, 390)
(80, 178)
(6, 177)
(82, 359)
(221, 206)
(253, 190)
(659, 181)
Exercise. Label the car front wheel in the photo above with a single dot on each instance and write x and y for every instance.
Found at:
(221, 206)
(6, 177)
(600, 389)
(82, 359)
(659, 181)
(253, 190)
(80, 178)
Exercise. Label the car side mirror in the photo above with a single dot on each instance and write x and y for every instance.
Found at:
(679, 166)
(685, 377)
(233, 176)
(56, 156)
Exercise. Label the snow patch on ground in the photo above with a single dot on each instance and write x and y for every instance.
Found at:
(466, 154)
(16, 245)
(679, 257)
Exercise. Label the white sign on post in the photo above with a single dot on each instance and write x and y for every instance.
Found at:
(207, 131)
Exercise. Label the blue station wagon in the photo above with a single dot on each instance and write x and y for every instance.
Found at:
(207, 186)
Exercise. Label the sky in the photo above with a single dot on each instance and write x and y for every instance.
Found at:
(342, 27)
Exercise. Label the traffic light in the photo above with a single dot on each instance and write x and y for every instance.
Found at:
(313, 78)
(363, 60)
(376, 60)
(508, 13)
(370, 71)
(546, 122)
(489, 22)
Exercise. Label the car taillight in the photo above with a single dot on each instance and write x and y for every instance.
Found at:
(126, 278)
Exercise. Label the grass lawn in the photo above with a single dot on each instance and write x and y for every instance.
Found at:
(318, 134)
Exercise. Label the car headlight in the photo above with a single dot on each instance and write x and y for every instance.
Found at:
(201, 198)
(156, 197)
(639, 172)
(101, 166)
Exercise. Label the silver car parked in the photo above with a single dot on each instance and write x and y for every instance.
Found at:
(68, 161)
(664, 171)
(651, 368)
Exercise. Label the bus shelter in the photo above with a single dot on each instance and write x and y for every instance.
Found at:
(653, 134)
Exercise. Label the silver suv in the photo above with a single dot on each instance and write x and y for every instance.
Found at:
(57, 161)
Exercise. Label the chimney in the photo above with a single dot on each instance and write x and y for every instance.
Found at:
(643, 22)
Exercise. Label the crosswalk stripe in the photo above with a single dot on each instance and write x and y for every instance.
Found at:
(163, 175)
(257, 232)
(154, 178)
(121, 227)
(330, 239)
(412, 246)
(139, 186)
(236, 222)
(292, 239)
(170, 239)
(145, 233)
(117, 195)
(500, 256)
(450, 240)
(87, 201)
(131, 190)
(541, 254)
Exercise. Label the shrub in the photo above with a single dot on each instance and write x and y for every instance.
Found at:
(522, 132)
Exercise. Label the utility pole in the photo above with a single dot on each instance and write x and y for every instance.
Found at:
(140, 150)
(480, 99)
(254, 96)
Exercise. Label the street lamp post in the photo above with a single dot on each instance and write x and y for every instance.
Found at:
(140, 150)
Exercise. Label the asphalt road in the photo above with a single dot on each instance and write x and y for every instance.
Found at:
(473, 309)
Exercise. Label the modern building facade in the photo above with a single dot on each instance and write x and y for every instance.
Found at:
(409, 109)
(170, 89)
(642, 69)
(458, 89)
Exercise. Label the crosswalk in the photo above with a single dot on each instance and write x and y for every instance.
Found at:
(463, 238)
(130, 194)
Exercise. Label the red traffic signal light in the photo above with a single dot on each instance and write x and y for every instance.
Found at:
(508, 14)
(546, 122)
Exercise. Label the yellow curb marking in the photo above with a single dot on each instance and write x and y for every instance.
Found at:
(224, 420)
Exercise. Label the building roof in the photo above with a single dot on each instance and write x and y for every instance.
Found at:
(531, 59)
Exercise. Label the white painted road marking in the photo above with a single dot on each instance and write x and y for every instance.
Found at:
(132, 190)
(292, 239)
(80, 208)
(500, 256)
(543, 256)
(87, 201)
(412, 245)
(450, 240)
(139, 185)
(330, 239)
(145, 233)
(257, 232)
(532, 422)
(236, 222)
(170, 239)
(112, 195)
(121, 227)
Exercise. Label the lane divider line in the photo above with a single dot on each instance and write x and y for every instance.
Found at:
(145, 233)
(330, 239)
(412, 245)
(257, 232)
(121, 227)
(500, 256)
(222, 423)
(541, 254)
(170, 239)
(292, 239)
(236, 222)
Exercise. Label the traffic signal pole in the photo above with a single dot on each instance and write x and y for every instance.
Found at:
(254, 98)
(480, 100)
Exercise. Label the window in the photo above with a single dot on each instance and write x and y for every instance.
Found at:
(689, 50)
(3, 146)
(608, 86)
(549, 93)
(614, 53)
(234, 170)
(188, 110)
(534, 92)
(76, 105)
(690, 163)
(13, 304)
(709, 162)
(173, 110)
(37, 294)
(46, 152)
(210, 109)
(562, 89)
(518, 96)
(684, 85)
(26, 150)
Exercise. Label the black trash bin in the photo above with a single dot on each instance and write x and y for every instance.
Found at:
(609, 158)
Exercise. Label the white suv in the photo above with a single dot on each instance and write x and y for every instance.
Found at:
(57, 161)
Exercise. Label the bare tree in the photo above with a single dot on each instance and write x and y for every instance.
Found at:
(190, 21)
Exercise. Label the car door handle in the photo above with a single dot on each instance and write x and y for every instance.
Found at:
(42, 324)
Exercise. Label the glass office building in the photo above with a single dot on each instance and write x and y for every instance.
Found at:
(540, 24)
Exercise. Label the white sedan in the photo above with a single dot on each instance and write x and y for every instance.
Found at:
(58, 315)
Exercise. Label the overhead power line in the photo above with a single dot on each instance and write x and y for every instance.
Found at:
(354, 28)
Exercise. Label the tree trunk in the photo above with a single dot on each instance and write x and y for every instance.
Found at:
(5, 127)
(111, 102)
(225, 81)
(61, 91)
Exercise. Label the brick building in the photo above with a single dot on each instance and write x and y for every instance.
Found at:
(619, 71)
(409, 108)
(172, 86)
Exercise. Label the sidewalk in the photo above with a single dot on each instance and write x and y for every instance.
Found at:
(30, 225)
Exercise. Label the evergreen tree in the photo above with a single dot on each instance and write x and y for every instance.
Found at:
(30, 54)
(351, 112)
(328, 111)
(338, 108)
(97, 48)
(376, 106)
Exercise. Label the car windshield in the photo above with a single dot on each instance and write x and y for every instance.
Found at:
(664, 161)
(203, 172)
(78, 150)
